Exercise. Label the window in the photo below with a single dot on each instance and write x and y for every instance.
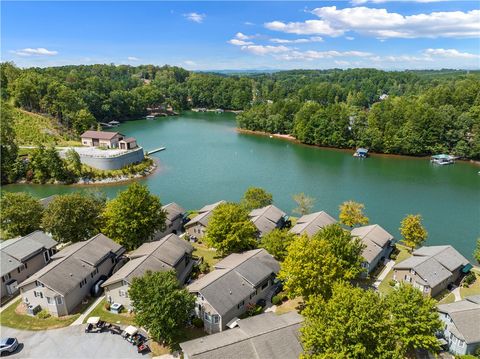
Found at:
(254, 294)
(83, 282)
(6, 277)
(25, 265)
(265, 285)
(122, 293)
(241, 304)
(49, 300)
(38, 294)
(460, 343)
(46, 255)
(207, 317)
(59, 300)
(95, 272)
(215, 318)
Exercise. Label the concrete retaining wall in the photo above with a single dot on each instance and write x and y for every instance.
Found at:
(114, 163)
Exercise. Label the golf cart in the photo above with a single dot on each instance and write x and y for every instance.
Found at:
(94, 325)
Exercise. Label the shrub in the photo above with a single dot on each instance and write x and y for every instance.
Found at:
(392, 283)
(197, 322)
(204, 267)
(107, 306)
(393, 256)
(469, 278)
(43, 314)
(276, 300)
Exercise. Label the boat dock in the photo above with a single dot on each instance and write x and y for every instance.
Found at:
(155, 151)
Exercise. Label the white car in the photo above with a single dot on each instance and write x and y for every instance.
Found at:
(8, 345)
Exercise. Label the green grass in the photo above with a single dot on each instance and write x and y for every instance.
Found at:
(34, 129)
(403, 254)
(10, 318)
(449, 298)
(289, 306)
(473, 289)
(209, 255)
(107, 316)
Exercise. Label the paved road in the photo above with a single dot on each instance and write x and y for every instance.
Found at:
(69, 343)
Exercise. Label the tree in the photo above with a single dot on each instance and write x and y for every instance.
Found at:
(133, 216)
(276, 243)
(8, 147)
(352, 324)
(82, 121)
(72, 162)
(161, 305)
(73, 217)
(256, 197)
(351, 214)
(21, 214)
(476, 253)
(414, 320)
(230, 229)
(312, 265)
(412, 231)
(304, 203)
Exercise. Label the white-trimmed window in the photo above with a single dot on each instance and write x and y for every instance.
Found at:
(122, 293)
(6, 277)
(46, 256)
(38, 294)
(59, 300)
(50, 300)
(216, 318)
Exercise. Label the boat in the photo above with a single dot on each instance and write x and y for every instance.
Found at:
(114, 123)
(150, 117)
(361, 153)
(443, 159)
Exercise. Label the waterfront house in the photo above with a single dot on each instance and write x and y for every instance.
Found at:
(267, 335)
(22, 257)
(64, 283)
(377, 242)
(107, 139)
(310, 224)
(239, 280)
(462, 325)
(267, 218)
(432, 268)
(197, 225)
(168, 253)
(175, 216)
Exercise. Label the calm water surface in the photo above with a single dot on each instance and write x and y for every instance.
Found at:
(207, 160)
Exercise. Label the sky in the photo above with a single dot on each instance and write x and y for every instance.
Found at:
(241, 35)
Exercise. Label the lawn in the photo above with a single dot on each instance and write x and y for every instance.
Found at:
(209, 255)
(403, 254)
(448, 298)
(100, 311)
(187, 334)
(11, 317)
(473, 289)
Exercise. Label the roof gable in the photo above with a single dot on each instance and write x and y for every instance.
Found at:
(311, 223)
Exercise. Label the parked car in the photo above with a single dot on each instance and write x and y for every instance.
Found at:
(8, 345)
(97, 289)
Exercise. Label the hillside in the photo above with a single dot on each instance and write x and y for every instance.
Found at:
(34, 129)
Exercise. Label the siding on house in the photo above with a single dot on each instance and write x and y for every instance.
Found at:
(196, 226)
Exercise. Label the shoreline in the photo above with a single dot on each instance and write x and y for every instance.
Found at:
(85, 182)
(292, 139)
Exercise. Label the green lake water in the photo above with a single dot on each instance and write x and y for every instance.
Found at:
(206, 160)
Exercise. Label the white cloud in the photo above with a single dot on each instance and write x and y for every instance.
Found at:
(382, 24)
(238, 42)
(39, 51)
(242, 36)
(309, 27)
(297, 41)
(316, 55)
(265, 49)
(450, 53)
(190, 63)
(248, 23)
(362, 2)
(195, 17)
(133, 58)
(350, 38)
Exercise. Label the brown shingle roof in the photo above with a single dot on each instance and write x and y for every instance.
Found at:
(101, 135)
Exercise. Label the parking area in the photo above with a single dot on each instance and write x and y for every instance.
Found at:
(70, 342)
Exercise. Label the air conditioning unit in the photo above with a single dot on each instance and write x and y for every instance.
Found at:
(11, 286)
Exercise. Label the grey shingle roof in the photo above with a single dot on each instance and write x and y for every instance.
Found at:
(310, 224)
(161, 255)
(204, 214)
(71, 265)
(173, 211)
(266, 219)
(446, 255)
(234, 278)
(17, 250)
(375, 239)
(465, 315)
(265, 336)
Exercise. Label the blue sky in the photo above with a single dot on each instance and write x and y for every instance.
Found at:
(413, 34)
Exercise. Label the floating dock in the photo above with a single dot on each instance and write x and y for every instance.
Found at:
(155, 151)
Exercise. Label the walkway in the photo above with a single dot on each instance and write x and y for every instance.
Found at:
(456, 293)
(384, 273)
(85, 314)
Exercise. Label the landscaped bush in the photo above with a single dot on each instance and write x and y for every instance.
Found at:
(276, 300)
(107, 306)
(393, 256)
(469, 279)
(204, 267)
(197, 322)
(392, 283)
(43, 314)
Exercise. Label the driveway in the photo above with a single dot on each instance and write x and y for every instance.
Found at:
(70, 342)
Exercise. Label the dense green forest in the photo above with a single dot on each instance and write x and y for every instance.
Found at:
(425, 111)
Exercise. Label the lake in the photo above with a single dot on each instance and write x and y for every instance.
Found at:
(206, 160)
